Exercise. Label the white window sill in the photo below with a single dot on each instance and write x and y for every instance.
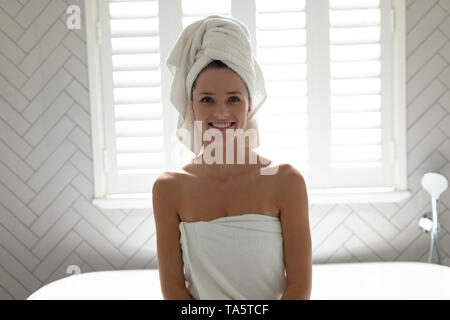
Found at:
(322, 196)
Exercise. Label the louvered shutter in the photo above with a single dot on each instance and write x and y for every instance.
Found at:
(360, 102)
(355, 83)
(194, 10)
(281, 52)
(132, 95)
(328, 89)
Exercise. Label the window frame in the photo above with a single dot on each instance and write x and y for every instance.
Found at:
(102, 199)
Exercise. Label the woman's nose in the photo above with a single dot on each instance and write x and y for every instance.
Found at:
(222, 109)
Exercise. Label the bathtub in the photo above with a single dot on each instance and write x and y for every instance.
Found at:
(343, 281)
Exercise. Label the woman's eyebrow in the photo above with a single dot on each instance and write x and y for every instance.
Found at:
(213, 94)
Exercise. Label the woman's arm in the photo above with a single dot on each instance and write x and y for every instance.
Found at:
(293, 202)
(170, 261)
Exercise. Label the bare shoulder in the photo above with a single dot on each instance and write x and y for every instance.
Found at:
(290, 183)
(286, 173)
(165, 182)
(166, 188)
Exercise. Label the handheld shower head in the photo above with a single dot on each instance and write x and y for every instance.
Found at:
(434, 183)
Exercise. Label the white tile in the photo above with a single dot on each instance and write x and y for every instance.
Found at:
(100, 244)
(416, 12)
(13, 204)
(18, 271)
(416, 204)
(43, 48)
(76, 46)
(13, 118)
(15, 288)
(15, 226)
(11, 7)
(56, 233)
(322, 230)
(48, 145)
(51, 190)
(41, 24)
(52, 165)
(17, 249)
(425, 100)
(425, 52)
(84, 186)
(9, 24)
(424, 77)
(56, 209)
(376, 220)
(13, 140)
(138, 237)
(424, 148)
(81, 118)
(16, 185)
(48, 119)
(29, 12)
(424, 27)
(11, 72)
(47, 96)
(11, 95)
(45, 72)
(98, 220)
(366, 233)
(445, 76)
(94, 258)
(79, 94)
(10, 49)
(77, 69)
(82, 141)
(424, 125)
(83, 164)
(61, 272)
(62, 250)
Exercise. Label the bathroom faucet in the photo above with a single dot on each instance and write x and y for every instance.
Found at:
(435, 184)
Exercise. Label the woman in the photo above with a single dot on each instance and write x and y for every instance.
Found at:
(239, 233)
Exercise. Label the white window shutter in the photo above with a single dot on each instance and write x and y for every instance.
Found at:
(355, 38)
(134, 131)
(360, 102)
(194, 10)
(326, 111)
(281, 52)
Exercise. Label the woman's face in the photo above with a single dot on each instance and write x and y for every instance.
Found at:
(220, 96)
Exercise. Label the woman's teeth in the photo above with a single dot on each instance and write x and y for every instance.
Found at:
(221, 125)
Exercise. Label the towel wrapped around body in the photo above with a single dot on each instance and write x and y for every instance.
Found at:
(234, 258)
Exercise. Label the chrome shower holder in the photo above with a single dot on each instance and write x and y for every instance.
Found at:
(434, 184)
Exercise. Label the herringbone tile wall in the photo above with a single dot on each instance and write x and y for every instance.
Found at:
(47, 221)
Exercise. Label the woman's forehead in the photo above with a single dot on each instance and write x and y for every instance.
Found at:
(220, 82)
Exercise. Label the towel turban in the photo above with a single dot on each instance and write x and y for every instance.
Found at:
(212, 38)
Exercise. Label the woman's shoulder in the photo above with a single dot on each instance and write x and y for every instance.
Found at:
(286, 174)
(283, 170)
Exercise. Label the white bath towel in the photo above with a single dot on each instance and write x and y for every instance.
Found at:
(234, 258)
(213, 38)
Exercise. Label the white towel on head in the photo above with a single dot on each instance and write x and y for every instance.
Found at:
(213, 38)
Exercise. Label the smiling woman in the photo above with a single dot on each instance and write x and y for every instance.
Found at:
(220, 99)
(234, 231)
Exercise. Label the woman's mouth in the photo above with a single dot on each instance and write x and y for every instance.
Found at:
(221, 126)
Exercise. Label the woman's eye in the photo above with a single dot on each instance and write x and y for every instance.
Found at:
(202, 100)
(235, 98)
